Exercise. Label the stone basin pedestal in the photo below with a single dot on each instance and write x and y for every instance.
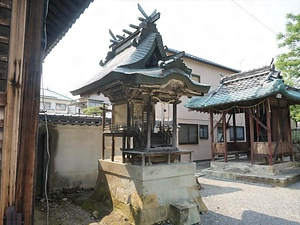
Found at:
(144, 194)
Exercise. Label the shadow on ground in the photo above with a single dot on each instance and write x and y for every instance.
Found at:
(218, 190)
(248, 218)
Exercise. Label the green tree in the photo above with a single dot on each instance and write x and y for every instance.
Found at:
(93, 111)
(289, 62)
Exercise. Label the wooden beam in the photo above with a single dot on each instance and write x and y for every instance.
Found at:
(174, 134)
(32, 70)
(225, 136)
(3, 99)
(251, 131)
(258, 121)
(216, 125)
(289, 135)
(148, 123)
(12, 110)
(211, 120)
(269, 133)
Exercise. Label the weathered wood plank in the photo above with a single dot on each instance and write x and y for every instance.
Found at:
(3, 57)
(3, 85)
(6, 4)
(3, 48)
(4, 31)
(12, 110)
(4, 22)
(3, 70)
(4, 40)
(31, 79)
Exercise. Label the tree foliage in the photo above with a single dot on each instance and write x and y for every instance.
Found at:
(289, 62)
(93, 111)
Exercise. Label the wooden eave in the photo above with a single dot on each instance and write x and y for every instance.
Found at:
(62, 14)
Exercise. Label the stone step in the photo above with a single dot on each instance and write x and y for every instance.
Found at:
(184, 213)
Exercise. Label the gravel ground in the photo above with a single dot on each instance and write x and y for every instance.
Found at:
(234, 202)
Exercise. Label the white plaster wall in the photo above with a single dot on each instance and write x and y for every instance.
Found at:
(75, 152)
(208, 75)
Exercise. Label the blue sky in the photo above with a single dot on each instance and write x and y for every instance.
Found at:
(240, 34)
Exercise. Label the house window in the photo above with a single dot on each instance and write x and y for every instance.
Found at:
(45, 105)
(203, 131)
(60, 106)
(94, 104)
(240, 136)
(195, 77)
(188, 134)
(220, 136)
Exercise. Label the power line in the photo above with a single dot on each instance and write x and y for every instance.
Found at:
(254, 17)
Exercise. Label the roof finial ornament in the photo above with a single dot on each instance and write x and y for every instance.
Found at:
(112, 34)
(272, 64)
(152, 18)
(142, 11)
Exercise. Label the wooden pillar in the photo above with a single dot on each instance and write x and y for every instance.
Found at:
(113, 146)
(103, 146)
(174, 134)
(211, 120)
(234, 131)
(148, 123)
(103, 128)
(251, 131)
(129, 122)
(248, 142)
(21, 113)
(280, 121)
(289, 133)
(225, 136)
(269, 134)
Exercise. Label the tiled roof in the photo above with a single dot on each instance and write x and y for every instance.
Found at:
(236, 89)
(139, 59)
(70, 119)
(199, 59)
(46, 93)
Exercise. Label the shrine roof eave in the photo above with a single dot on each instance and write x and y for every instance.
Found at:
(245, 98)
(150, 77)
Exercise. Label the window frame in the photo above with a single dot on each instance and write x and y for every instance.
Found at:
(205, 132)
(231, 134)
(60, 109)
(190, 138)
(43, 105)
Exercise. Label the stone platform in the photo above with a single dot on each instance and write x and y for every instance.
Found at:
(281, 174)
(145, 194)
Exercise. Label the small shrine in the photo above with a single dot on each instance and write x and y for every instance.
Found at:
(150, 182)
(262, 98)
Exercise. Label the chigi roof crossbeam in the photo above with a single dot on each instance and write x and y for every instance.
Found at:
(119, 39)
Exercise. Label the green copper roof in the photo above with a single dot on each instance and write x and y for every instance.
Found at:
(141, 60)
(238, 89)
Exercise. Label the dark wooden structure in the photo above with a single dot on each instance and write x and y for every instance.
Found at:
(263, 99)
(22, 48)
(136, 74)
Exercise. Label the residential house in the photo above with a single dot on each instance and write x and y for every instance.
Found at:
(193, 132)
(53, 102)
